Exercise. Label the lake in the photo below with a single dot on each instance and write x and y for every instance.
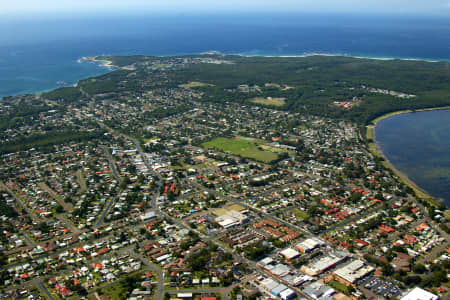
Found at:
(418, 144)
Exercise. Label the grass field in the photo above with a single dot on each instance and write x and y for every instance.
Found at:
(370, 130)
(194, 84)
(236, 207)
(339, 286)
(115, 292)
(244, 147)
(147, 141)
(269, 101)
(276, 150)
(301, 215)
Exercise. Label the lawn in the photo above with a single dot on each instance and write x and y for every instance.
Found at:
(244, 147)
(276, 150)
(370, 130)
(447, 213)
(340, 287)
(122, 288)
(301, 215)
(116, 292)
(147, 141)
(194, 84)
(269, 101)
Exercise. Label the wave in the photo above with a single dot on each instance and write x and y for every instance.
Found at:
(308, 54)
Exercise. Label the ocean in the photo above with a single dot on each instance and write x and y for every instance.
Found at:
(418, 144)
(42, 54)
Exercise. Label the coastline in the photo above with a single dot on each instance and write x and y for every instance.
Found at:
(103, 62)
(308, 54)
(111, 67)
(375, 149)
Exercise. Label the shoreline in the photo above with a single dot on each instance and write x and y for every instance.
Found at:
(375, 149)
(309, 54)
(110, 66)
(103, 62)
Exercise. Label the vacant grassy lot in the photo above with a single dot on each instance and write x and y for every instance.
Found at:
(300, 214)
(340, 287)
(276, 150)
(194, 84)
(244, 147)
(269, 101)
(370, 130)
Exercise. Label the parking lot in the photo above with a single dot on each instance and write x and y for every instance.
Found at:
(383, 287)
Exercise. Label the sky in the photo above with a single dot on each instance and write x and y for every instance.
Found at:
(104, 7)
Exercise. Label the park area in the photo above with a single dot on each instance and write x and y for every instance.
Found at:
(242, 146)
(269, 101)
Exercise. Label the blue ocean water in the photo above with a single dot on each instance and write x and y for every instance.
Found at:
(418, 144)
(41, 53)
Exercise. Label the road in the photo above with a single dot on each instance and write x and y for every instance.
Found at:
(438, 249)
(160, 288)
(67, 206)
(19, 200)
(111, 201)
(257, 210)
(203, 237)
(41, 286)
(112, 164)
(29, 241)
(354, 218)
(69, 225)
(157, 211)
(38, 281)
(224, 292)
(81, 180)
(105, 211)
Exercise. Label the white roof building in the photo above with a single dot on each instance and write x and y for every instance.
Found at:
(148, 215)
(420, 294)
(231, 218)
(353, 271)
(287, 294)
(290, 253)
(309, 244)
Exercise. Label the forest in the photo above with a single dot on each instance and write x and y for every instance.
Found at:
(316, 82)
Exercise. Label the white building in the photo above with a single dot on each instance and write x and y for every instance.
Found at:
(420, 294)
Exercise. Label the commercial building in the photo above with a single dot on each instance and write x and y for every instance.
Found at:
(352, 272)
(309, 245)
(290, 253)
(325, 263)
(420, 294)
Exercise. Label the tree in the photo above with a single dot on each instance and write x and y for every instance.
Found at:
(387, 270)
(43, 227)
(419, 268)
(412, 280)
(59, 209)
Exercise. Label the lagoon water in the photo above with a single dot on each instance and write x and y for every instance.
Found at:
(418, 144)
